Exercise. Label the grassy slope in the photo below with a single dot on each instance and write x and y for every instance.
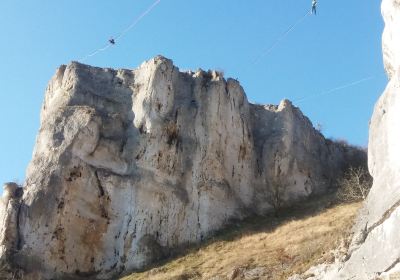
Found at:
(276, 246)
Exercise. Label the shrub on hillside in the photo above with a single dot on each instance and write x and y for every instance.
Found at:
(355, 185)
(354, 156)
(276, 196)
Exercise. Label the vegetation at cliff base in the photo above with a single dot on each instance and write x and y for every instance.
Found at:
(265, 247)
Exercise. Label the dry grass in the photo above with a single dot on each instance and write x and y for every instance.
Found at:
(281, 246)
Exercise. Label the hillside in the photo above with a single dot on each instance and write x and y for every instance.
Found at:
(265, 247)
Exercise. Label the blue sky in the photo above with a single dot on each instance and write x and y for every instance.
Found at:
(339, 46)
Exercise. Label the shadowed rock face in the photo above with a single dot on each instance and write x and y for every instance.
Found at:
(130, 164)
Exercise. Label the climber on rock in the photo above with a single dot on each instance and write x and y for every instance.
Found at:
(112, 41)
(314, 7)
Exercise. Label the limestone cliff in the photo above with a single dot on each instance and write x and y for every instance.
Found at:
(131, 164)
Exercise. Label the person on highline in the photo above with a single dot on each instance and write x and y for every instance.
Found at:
(314, 7)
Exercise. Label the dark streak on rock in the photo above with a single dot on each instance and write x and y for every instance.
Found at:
(99, 186)
(385, 216)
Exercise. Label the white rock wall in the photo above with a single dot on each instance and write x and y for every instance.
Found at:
(131, 164)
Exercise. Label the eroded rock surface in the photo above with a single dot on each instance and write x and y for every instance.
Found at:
(391, 36)
(130, 164)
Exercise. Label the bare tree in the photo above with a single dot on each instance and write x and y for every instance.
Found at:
(355, 185)
(277, 191)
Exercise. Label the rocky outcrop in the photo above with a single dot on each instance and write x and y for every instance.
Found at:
(391, 36)
(131, 164)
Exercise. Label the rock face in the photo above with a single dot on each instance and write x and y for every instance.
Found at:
(391, 36)
(130, 164)
(376, 247)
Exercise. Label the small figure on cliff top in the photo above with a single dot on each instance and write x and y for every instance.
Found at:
(112, 41)
(314, 7)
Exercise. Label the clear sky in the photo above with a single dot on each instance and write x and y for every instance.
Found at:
(338, 47)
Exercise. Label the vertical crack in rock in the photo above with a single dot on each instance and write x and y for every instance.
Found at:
(103, 199)
(19, 236)
(99, 186)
